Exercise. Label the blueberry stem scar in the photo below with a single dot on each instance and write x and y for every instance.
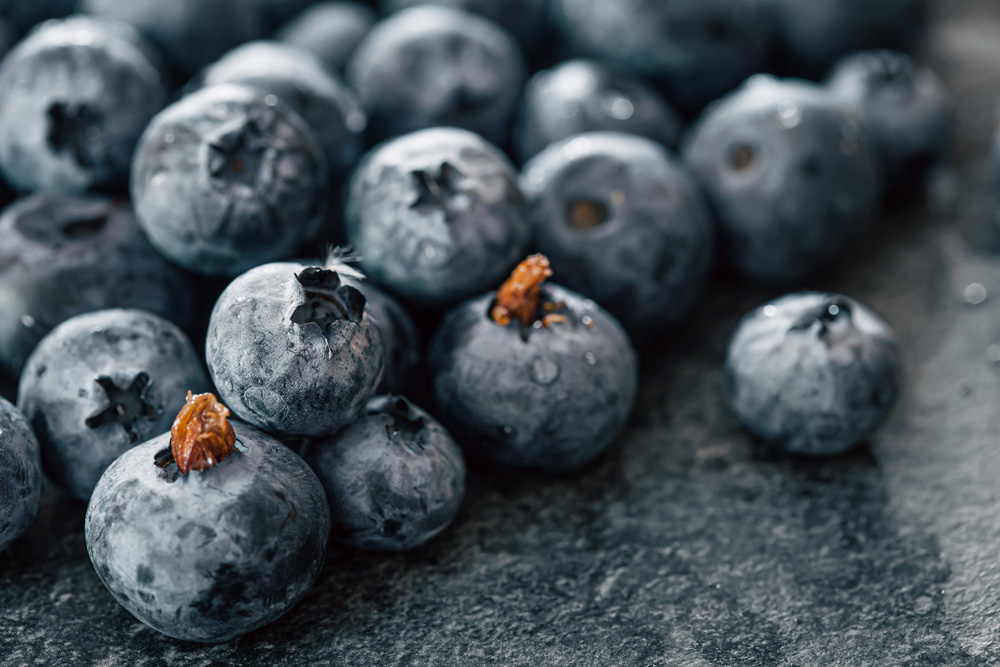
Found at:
(125, 406)
(520, 297)
(201, 435)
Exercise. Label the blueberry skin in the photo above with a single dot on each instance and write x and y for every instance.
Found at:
(331, 31)
(907, 109)
(812, 373)
(20, 474)
(432, 66)
(190, 33)
(63, 256)
(394, 478)
(85, 370)
(75, 95)
(551, 402)
(229, 178)
(301, 81)
(697, 49)
(26, 13)
(647, 258)
(790, 173)
(399, 336)
(522, 18)
(211, 555)
(293, 351)
(436, 216)
(580, 96)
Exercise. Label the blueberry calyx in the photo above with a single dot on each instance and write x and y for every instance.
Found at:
(406, 423)
(71, 130)
(125, 406)
(327, 299)
(237, 152)
(440, 192)
(824, 315)
(586, 214)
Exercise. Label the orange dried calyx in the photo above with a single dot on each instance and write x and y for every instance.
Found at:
(520, 297)
(201, 435)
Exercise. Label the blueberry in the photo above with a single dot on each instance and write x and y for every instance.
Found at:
(300, 80)
(812, 373)
(102, 383)
(191, 33)
(75, 95)
(293, 350)
(907, 110)
(20, 474)
(213, 554)
(791, 176)
(544, 391)
(436, 215)
(698, 49)
(394, 478)
(26, 13)
(331, 31)
(622, 222)
(522, 18)
(580, 96)
(431, 66)
(63, 256)
(228, 178)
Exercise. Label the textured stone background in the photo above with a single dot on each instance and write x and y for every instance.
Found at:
(688, 544)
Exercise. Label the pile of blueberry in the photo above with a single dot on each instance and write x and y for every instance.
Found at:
(244, 230)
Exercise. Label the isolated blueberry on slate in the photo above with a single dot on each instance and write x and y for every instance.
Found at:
(697, 49)
(436, 216)
(580, 96)
(812, 373)
(331, 31)
(534, 375)
(301, 81)
(293, 350)
(433, 66)
(524, 19)
(790, 173)
(26, 13)
(394, 478)
(190, 33)
(102, 383)
(623, 223)
(63, 256)
(907, 109)
(75, 95)
(20, 474)
(210, 554)
(229, 178)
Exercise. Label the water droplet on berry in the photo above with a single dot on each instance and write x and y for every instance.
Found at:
(544, 371)
(591, 359)
(770, 310)
(27, 320)
(975, 294)
(789, 114)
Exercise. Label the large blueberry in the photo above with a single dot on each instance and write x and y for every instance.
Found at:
(394, 478)
(74, 97)
(293, 350)
(430, 66)
(698, 49)
(522, 18)
(812, 373)
(331, 31)
(20, 474)
(229, 178)
(550, 394)
(213, 554)
(299, 79)
(63, 256)
(791, 174)
(623, 223)
(101, 383)
(907, 110)
(26, 13)
(436, 215)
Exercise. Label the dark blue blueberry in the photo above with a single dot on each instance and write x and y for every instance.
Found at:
(190, 33)
(436, 216)
(431, 66)
(698, 49)
(300, 80)
(588, 96)
(293, 350)
(522, 18)
(331, 31)
(790, 173)
(623, 223)
(63, 256)
(20, 474)
(812, 373)
(26, 13)
(394, 478)
(229, 178)
(74, 97)
(102, 383)
(907, 110)
(213, 554)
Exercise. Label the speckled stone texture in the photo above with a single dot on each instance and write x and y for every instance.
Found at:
(685, 545)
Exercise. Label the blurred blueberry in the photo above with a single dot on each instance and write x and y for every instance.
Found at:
(522, 18)
(26, 13)
(331, 31)
(20, 474)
